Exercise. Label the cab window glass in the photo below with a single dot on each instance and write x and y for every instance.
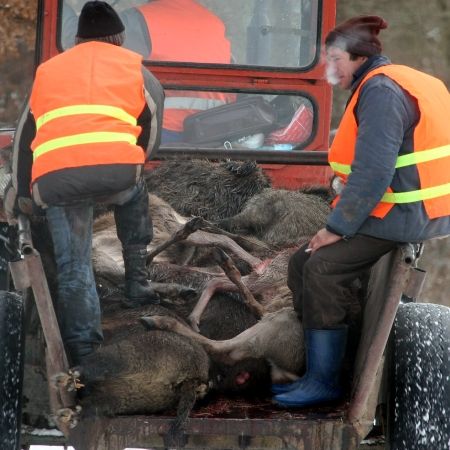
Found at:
(269, 33)
(244, 121)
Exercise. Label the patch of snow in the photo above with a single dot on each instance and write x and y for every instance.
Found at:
(45, 432)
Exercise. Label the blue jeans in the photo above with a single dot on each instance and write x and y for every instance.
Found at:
(77, 304)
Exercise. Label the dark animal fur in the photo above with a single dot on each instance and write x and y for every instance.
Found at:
(206, 189)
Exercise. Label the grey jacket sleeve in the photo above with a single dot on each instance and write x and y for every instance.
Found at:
(383, 118)
(151, 118)
(22, 156)
(17, 194)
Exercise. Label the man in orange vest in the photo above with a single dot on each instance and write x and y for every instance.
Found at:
(95, 117)
(392, 153)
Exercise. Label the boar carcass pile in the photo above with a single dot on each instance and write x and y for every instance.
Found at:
(206, 189)
(146, 365)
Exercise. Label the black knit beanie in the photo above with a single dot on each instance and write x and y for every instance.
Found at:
(98, 19)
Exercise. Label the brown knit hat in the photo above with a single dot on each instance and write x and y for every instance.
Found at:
(358, 35)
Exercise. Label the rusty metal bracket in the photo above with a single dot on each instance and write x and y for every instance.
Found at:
(416, 281)
(28, 272)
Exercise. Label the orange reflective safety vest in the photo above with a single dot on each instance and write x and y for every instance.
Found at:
(183, 30)
(87, 117)
(431, 152)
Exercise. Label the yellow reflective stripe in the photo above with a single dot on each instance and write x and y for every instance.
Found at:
(84, 138)
(341, 168)
(404, 160)
(105, 110)
(418, 195)
(423, 156)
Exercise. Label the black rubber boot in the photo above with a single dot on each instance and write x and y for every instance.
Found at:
(138, 288)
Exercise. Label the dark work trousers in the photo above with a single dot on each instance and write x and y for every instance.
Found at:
(133, 222)
(321, 282)
(77, 304)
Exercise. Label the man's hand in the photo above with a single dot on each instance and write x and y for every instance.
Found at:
(322, 238)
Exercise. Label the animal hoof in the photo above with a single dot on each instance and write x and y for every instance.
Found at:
(67, 380)
(194, 322)
(68, 416)
(202, 390)
(149, 323)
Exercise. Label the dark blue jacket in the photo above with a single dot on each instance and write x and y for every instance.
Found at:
(386, 116)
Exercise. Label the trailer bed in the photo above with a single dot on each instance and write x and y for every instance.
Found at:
(223, 423)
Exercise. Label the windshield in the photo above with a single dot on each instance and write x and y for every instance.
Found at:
(269, 33)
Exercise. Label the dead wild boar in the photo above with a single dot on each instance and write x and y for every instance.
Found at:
(206, 189)
(129, 348)
(144, 373)
(280, 217)
(136, 371)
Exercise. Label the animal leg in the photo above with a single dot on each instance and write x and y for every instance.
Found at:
(234, 275)
(213, 240)
(175, 437)
(180, 235)
(204, 238)
(244, 242)
(211, 287)
(167, 323)
(279, 375)
(231, 350)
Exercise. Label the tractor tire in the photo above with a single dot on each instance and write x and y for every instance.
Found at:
(419, 404)
(5, 256)
(11, 368)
